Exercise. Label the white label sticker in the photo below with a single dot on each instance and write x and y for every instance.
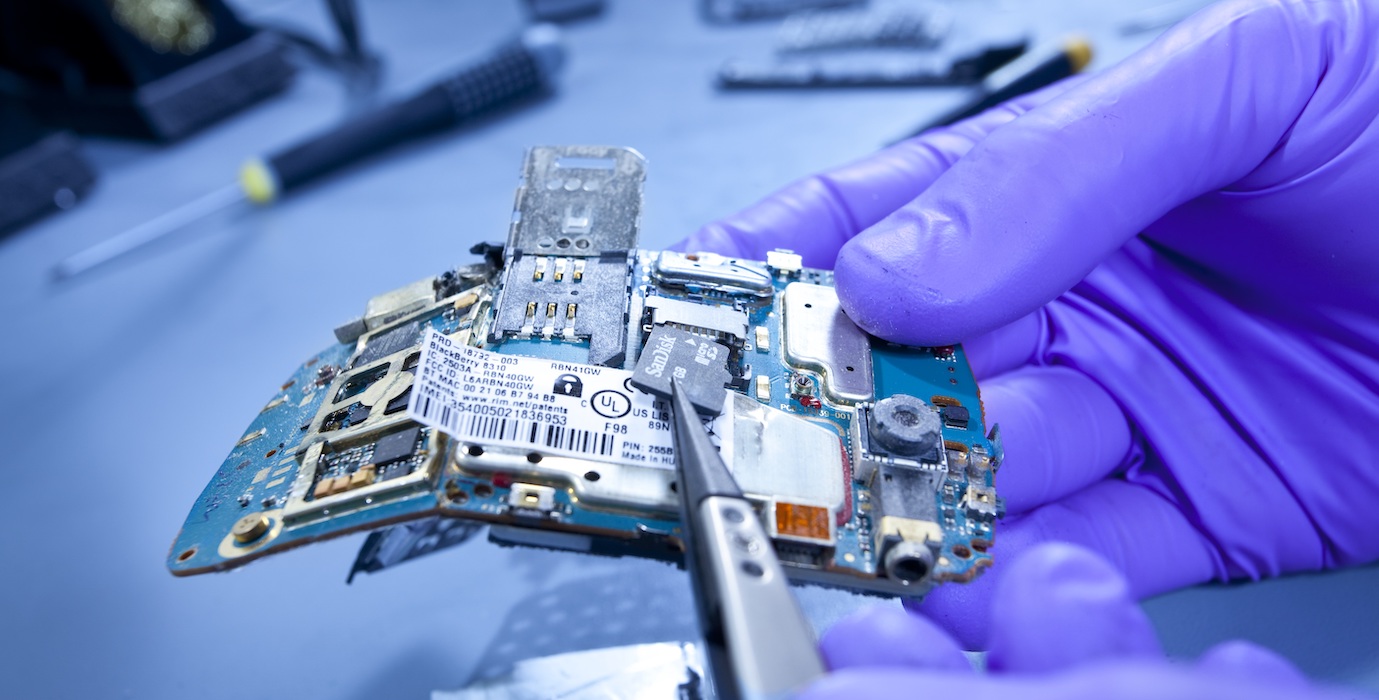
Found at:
(557, 407)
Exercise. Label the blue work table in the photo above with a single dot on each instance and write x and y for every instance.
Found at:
(123, 390)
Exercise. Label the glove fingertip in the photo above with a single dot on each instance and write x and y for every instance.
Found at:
(1249, 660)
(961, 610)
(890, 637)
(1061, 605)
(906, 279)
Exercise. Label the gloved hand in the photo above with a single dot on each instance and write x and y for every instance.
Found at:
(1065, 627)
(1166, 277)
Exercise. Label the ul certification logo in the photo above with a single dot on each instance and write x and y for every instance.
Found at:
(568, 385)
(611, 404)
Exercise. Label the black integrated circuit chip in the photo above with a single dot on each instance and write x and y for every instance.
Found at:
(955, 416)
(389, 342)
(391, 448)
(699, 365)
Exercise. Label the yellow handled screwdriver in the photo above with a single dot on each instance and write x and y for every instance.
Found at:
(519, 68)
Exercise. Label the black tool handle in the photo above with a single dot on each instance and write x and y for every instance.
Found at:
(1018, 78)
(516, 69)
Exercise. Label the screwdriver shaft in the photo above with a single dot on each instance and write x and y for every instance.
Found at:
(150, 231)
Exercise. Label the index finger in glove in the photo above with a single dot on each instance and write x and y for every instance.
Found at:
(1031, 209)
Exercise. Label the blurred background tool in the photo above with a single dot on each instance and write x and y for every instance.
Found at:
(519, 68)
(41, 169)
(1035, 70)
(135, 68)
(917, 27)
(871, 69)
(888, 44)
(759, 643)
(561, 11)
(728, 11)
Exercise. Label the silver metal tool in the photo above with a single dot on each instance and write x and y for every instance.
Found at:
(759, 644)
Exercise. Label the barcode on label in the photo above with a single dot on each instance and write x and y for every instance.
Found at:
(531, 432)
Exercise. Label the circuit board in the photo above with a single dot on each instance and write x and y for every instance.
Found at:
(519, 391)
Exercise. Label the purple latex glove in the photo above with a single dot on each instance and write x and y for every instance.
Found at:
(1065, 627)
(1167, 278)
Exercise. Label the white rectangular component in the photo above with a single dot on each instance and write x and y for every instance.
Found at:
(532, 497)
(582, 418)
(782, 260)
(536, 404)
(763, 338)
(763, 388)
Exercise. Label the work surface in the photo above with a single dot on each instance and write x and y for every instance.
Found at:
(123, 391)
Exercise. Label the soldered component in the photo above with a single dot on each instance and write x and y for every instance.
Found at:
(591, 304)
(981, 503)
(531, 499)
(383, 343)
(955, 416)
(899, 430)
(250, 527)
(395, 446)
(907, 533)
(819, 336)
(763, 339)
(723, 322)
(710, 273)
(904, 425)
(389, 307)
(359, 381)
(801, 523)
(383, 461)
(763, 388)
(785, 262)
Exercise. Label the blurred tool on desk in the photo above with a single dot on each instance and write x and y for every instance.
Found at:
(886, 45)
(150, 70)
(522, 67)
(1036, 70)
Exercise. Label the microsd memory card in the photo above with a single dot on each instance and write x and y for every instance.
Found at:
(700, 366)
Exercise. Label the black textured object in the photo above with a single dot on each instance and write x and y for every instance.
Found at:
(955, 416)
(697, 365)
(904, 425)
(86, 67)
(398, 403)
(391, 448)
(40, 171)
(517, 69)
(389, 342)
(564, 10)
(401, 543)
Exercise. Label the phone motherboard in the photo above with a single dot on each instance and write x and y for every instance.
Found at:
(525, 390)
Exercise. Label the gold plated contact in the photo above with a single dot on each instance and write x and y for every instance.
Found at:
(250, 527)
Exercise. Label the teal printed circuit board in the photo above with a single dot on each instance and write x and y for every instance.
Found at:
(502, 392)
